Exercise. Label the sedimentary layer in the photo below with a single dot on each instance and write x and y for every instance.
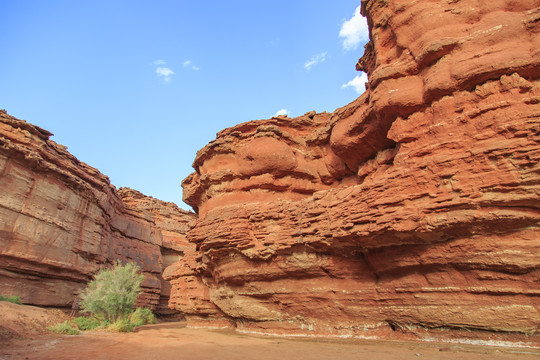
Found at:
(414, 207)
(62, 220)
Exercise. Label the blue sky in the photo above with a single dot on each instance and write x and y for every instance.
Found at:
(135, 88)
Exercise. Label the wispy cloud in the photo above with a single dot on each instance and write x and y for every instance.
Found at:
(358, 83)
(165, 72)
(188, 63)
(354, 31)
(315, 59)
(282, 112)
(162, 71)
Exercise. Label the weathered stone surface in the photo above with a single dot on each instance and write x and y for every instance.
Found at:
(61, 220)
(261, 160)
(414, 207)
(172, 222)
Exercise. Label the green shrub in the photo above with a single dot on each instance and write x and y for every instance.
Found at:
(86, 323)
(142, 316)
(121, 325)
(113, 292)
(11, 299)
(64, 328)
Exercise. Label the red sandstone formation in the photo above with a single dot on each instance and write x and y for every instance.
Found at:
(61, 220)
(172, 222)
(414, 207)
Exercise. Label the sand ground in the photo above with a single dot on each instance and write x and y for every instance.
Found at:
(175, 341)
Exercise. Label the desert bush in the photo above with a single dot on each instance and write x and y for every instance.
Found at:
(64, 328)
(122, 324)
(113, 292)
(142, 316)
(12, 299)
(87, 323)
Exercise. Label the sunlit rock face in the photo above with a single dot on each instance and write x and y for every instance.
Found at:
(413, 209)
(266, 160)
(61, 221)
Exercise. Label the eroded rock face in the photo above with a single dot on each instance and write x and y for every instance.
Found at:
(61, 220)
(414, 207)
(172, 223)
(261, 161)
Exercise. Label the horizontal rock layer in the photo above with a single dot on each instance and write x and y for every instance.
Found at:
(172, 223)
(414, 207)
(61, 221)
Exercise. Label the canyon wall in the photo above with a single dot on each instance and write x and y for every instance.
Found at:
(172, 223)
(413, 209)
(61, 221)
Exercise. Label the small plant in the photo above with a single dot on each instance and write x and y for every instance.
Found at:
(142, 316)
(11, 299)
(64, 328)
(112, 293)
(121, 325)
(110, 297)
(86, 323)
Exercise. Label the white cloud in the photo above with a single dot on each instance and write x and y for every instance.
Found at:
(282, 112)
(159, 62)
(315, 59)
(354, 31)
(358, 83)
(188, 63)
(165, 72)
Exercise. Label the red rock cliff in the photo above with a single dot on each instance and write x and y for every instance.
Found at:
(172, 223)
(61, 220)
(412, 209)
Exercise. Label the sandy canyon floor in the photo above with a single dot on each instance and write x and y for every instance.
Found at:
(175, 341)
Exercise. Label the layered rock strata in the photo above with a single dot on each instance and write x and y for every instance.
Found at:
(412, 209)
(172, 223)
(61, 221)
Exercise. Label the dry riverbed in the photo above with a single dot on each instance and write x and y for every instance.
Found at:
(24, 335)
(175, 341)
